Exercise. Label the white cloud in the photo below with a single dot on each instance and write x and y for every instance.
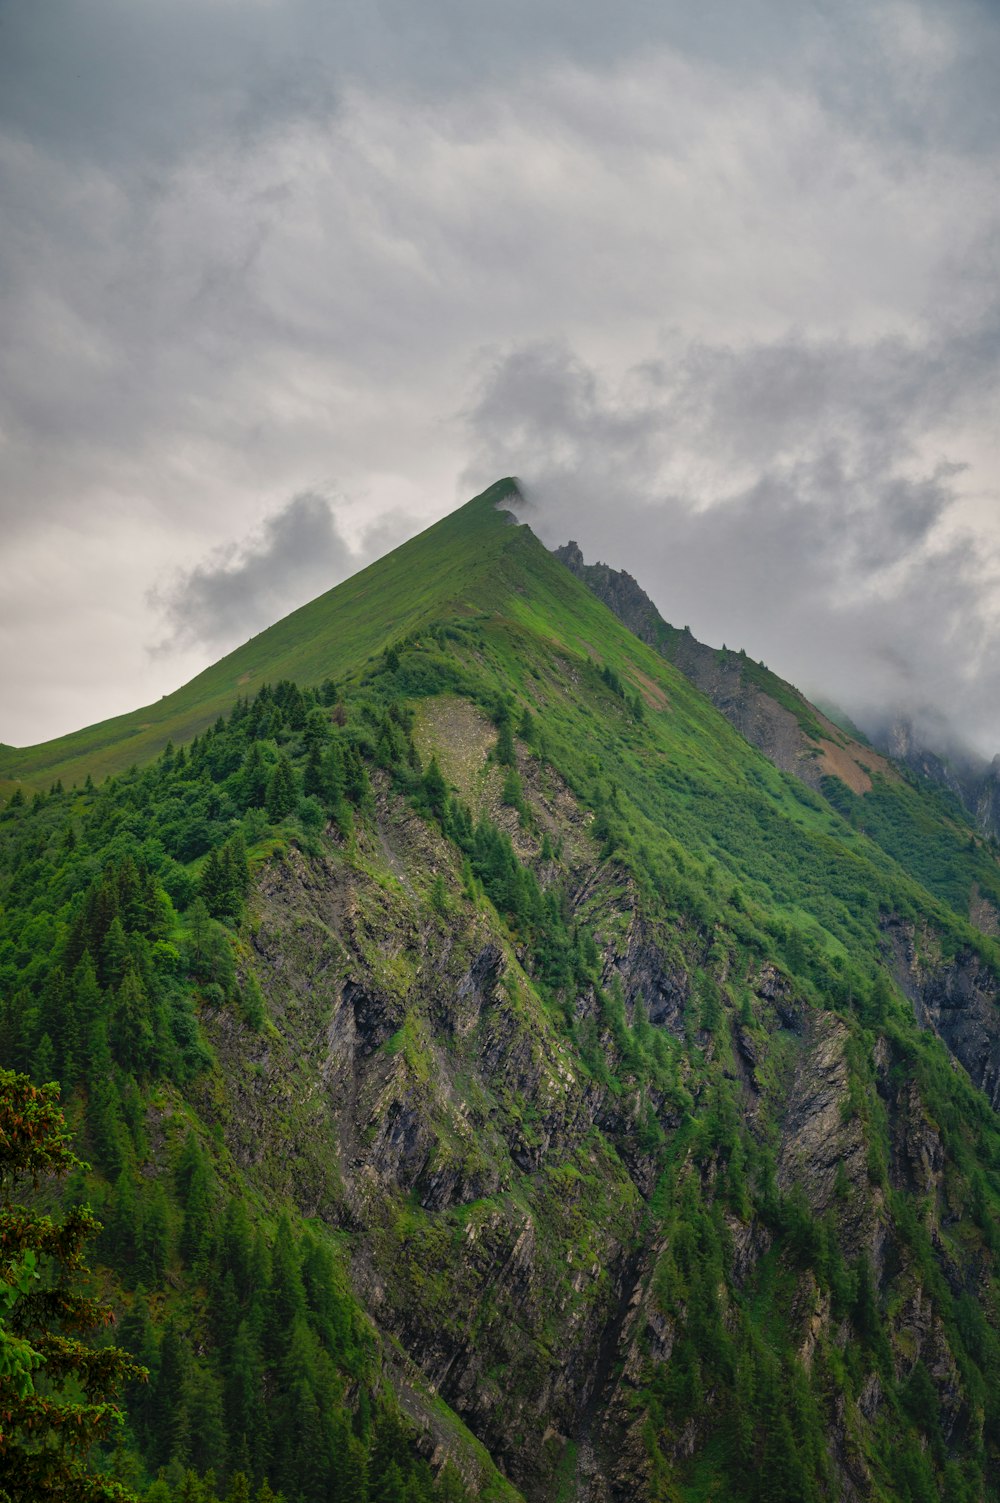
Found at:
(258, 251)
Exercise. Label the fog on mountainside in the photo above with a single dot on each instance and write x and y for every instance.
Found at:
(780, 500)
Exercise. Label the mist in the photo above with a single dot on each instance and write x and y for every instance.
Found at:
(720, 282)
(784, 499)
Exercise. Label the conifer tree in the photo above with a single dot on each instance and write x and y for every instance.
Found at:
(56, 1393)
(282, 793)
(435, 789)
(253, 778)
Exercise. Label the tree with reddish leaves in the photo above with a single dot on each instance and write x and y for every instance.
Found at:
(56, 1390)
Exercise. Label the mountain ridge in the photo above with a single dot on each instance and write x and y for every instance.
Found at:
(639, 1098)
(759, 703)
(282, 650)
(772, 714)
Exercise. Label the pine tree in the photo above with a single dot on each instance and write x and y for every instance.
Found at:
(504, 751)
(253, 778)
(282, 794)
(194, 1188)
(171, 1436)
(131, 1035)
(435, 789)
(153, 1242)
(213, 888)
(56, 1395)
(114, 954)
(118, 1240)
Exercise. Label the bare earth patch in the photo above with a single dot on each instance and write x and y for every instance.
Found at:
(840, 762)
(654, 696)
(982, 913)
(461, 738)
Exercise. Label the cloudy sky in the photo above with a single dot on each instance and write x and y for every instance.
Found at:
(282, 281)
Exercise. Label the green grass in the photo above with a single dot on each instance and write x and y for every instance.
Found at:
(686, 829)
(687, 782)
(453, 564)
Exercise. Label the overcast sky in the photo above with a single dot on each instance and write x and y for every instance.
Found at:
(282, 281)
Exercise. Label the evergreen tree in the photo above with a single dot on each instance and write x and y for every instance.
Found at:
(54, 1391)
(194, 1188)
(131, 1034)
(253, 778)
(435, 789)
(282, 793)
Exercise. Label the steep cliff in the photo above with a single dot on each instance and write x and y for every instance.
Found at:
(634, 1102)
(772, 714)
(972, 780)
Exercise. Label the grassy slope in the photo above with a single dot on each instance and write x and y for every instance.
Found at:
(923, 828)
(686, 770)
(693, 796)
(451, 564)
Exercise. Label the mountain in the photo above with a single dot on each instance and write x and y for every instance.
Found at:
(831, 754)
(971, 779)
(447, 568)
(503, 1080)
(772, 714)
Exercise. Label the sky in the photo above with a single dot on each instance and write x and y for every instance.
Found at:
(283, 281)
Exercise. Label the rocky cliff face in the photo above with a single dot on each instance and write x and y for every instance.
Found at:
(973, 781)
(956, 998)
(645, 1100)
(495, 1187)
(771, 714)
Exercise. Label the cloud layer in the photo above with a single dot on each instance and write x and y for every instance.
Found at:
(742, 260)
(788, 499)
(297, 554)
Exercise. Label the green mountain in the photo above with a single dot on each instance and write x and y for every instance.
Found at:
(447, 568)
(501, 1078)
(935, 832)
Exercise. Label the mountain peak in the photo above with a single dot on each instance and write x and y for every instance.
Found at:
(457, 565)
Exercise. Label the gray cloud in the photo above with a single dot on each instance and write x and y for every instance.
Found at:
(250, 248)
(789, 498)
(242, 588)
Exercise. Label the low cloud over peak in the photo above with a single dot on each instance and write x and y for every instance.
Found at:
(250, 246)
(790, 498)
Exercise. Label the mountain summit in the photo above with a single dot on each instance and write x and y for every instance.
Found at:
(505, 1081)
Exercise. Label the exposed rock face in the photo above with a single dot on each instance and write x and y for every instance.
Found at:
(957, 999)
(973, 781)
(433, 1084)
(619, 591)
(823, 1150)
(496, 1195)
(772, 715)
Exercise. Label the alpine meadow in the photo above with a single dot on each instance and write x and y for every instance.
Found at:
(504, 1051)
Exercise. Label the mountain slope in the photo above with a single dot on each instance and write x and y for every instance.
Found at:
(923, 812)
(973, 781)
(644, 1103)
(772, 714)
(336, 632)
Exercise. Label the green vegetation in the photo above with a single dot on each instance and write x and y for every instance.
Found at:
(677, 931)
(121, 909)
(54, 1387)
(354, 623)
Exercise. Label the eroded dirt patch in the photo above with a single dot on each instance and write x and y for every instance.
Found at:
(461, 738)
(654, 696)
